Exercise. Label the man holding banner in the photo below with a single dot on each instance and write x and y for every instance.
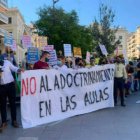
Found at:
(7, 90)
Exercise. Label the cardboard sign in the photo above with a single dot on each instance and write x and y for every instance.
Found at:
(32, 55)
(67, 50)
(48, 48)
(77, 52)
(8, 39)
(26, 41)
(14, 46)
(53, 56)
(103, 49)
(88, 57)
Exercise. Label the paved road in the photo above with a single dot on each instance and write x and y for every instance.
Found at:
(119, 123)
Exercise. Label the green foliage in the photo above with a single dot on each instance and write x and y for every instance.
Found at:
(62, 28)
(103, 31)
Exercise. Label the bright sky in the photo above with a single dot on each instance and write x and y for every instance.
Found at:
(127, 11)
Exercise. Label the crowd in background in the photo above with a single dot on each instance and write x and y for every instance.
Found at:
(126, 78)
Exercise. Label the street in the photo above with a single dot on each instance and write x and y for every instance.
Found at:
(119, 123)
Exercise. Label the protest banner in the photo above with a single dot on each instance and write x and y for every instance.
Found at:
(67, 50)
(52, 95)
(26, 41)
(32, 55)
(8, 39)
(77, 52)
(103, 49)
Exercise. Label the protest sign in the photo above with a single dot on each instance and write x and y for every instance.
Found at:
(48, 48)
(8, 39)
(52, 95)
(125, 56)
(53, 57)
(77, 52)
(32, 55)
(14, 46)
(88, 57)
(26, 41)
(103, 49)
(67, 50)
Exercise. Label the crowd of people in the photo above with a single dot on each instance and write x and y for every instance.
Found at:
(126, 77)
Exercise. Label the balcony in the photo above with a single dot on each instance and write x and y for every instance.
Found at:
(2, 32)
(3, 19)
(3, 5)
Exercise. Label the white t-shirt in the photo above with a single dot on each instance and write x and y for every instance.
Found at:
(7, 76)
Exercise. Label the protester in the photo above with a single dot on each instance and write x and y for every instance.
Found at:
(103, 61)
(9, 55)
(7, 89)
(130, 71)
(24, 63)
(138, 73)
(79, 63)
(135, 79)
(69, 62)
(92, 62)
(63, 63)
(119, 77)
(42, 63)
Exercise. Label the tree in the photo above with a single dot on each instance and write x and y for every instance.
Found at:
(103, 31)
(61, 27)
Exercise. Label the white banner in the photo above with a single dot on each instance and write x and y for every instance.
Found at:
(52, 95)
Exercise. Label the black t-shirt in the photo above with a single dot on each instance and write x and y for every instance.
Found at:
(130, 70)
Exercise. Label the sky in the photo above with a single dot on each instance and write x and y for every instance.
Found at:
(127, 12)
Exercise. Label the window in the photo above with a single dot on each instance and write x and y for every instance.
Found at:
(120, 46)
(120, 37)
(9, 20)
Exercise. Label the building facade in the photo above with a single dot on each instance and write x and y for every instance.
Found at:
(133, 50)
(3, 21)
(122, 35)
(37, 41)
(16, 26)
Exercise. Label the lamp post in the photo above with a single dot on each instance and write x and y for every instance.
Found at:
(54, 2)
